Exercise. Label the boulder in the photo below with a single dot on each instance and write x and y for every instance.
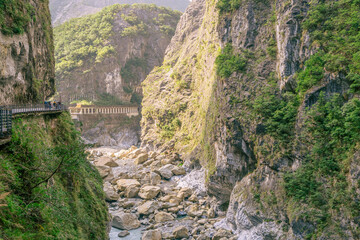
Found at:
(125, 221)
(155, 178)
(105, 161)
(103, 170)
(184, 193)
(181, 232)
(135, 153)
(141, 158)
(121, 154)
(222, 233)
(193, 211)
(155, 165)
(132, 191)
(123, 184)
(151, 235)
(149, 192)
(166, 171)
(178, 171)
(163, 217)
(110, 193)
(123, 233)
(148, 208)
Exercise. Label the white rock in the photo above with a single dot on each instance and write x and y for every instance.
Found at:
(125, 221)
(149, 192)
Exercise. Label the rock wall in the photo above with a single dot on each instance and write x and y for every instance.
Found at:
(251, 113)
(26, 52)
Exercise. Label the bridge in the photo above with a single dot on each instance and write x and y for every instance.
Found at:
(129, 110)
(7, 113)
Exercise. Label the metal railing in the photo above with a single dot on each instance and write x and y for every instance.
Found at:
(7, 112)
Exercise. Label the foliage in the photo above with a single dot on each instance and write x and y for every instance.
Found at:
(15, 15)
(106, 99)
(50, 182)
(278, 111)
(335, 27)
(227, 62)
(228, 5)
(133, 67)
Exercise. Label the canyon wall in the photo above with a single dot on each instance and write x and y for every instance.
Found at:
(263, 95)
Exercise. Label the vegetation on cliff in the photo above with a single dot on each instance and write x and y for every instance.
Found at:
(47, 181)
(84, 44)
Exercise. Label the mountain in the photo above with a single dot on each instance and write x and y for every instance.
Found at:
(264, 97)
(64, 10)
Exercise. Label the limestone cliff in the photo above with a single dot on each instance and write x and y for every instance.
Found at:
(64, 10)
(272, 115)
(105, 57)
(26, 52)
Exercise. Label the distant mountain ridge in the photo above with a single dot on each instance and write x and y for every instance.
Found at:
(64, 10)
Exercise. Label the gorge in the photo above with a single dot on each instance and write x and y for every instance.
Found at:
(248, 125)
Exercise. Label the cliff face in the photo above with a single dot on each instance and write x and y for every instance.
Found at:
(26, 52)
(46, 181)
(64, 10)
(105, 57)
(262, 113)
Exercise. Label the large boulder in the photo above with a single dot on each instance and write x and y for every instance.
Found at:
(178, 171)
(163, 217)
(105, 161)
(148, 208)
(149, 192)
(155, 178)
(151, 235)
(110, 193)
(184, 193)
(132, 191)
(103, 170)
(181, 232)
(135, 153)
(166, 171)
(125, 221)
(123, 184)
(141, 158)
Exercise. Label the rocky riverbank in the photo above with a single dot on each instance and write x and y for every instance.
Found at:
(152, 191)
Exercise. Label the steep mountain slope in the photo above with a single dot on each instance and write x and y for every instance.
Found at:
(106, 56)
(64, 10)
(273, 116)
(26, 52)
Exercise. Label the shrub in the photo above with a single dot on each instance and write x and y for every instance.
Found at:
(227, 63)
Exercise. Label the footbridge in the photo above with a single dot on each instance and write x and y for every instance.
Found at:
(129, 110)
(8, 113)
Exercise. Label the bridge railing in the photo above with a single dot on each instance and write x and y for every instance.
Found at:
(34, 108)
(7, 112)
(5, 122)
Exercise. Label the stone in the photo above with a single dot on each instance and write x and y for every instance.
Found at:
(184, 193)
(151, 235)
(122, 184)
(211, 213)
(193, 211)
(173, 209)
(178, 171)
(155, 165)
(148, 208)
(166, 171)
(141, 158)
(155, 178)
(132, 191)
(123, 233)
(202, 221)
(181, 232)
(222, 233)
(110, 193)
(125, 221)
(149, 192)
(135, 153)
(103, 170)
(152, 154)
(193, 198)
(105, 161)
(163, 217)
